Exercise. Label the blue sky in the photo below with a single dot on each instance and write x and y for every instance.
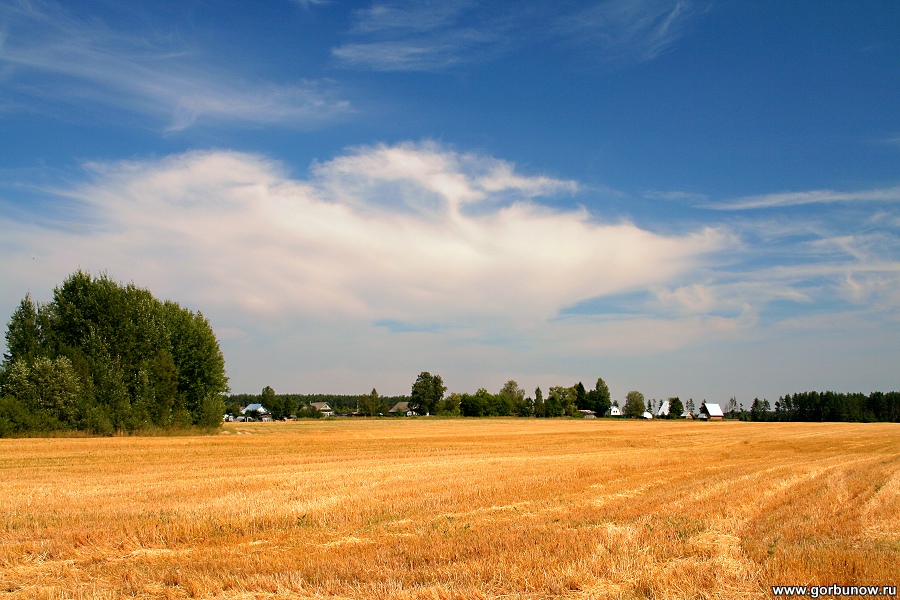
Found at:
(686, 198)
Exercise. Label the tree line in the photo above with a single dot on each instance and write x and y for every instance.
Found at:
(428, 396)
(103, 357)
(299, 405)
(830, 406)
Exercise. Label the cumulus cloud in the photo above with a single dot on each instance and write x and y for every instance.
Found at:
(382, 234)
(391, 259)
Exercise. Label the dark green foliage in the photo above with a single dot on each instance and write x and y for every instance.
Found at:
(540, 407)
(105, 357)
(511, 401)
(15, 419)
(598, 399)
(503, 404)
(561, 401)
(427, 391)
(834, 406)
(309, 412)
(552, 406)
(23, 333)
(475, 405)
(451, 406)
(676, 408)
(634, 404)
(581, 402)
(370, 405)
(760, 410)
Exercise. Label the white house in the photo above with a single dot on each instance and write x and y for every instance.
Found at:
(663, 409)
(647, 415)
(711, 411)
(614, 411)
(323, 408)
(256, 411)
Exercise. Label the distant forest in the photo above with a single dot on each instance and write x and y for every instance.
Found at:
(834, 406)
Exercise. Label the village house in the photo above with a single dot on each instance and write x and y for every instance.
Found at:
(256, 411)
(402, 408)
(710, 411)
(663, 410)
(323, 407)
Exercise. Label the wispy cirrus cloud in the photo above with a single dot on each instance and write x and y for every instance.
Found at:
(418, 36)
(630, 30)
(807, 197)
(307, 4)
(53, 57)
(428, 36)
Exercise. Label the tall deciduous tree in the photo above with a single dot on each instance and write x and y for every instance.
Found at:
(560, 401)
(267, 397)
(598, 398)
(370, 404)
(634, 404)
(676, 408)
(512, 399)
(426, 392)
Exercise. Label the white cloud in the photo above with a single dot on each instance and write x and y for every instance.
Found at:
(418, 15)
(808, 197)
(416, 36)
(631, 30)
(307, 4)
(54, 57)
(676, 196)
(316, 278)
(432, 36)
(382, 234)
(399, 56)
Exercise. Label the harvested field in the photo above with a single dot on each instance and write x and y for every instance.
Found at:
(430, 508)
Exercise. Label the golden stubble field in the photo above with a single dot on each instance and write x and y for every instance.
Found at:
(505, 508)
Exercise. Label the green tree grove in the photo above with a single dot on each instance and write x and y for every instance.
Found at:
(105, 357)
